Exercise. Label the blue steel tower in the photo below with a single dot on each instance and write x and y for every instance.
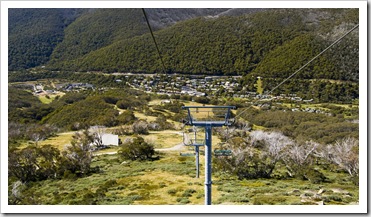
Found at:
(214, 116)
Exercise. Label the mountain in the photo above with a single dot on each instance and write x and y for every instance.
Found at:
(259, 42)
(34, 33)
(163, 17)
(38, 35)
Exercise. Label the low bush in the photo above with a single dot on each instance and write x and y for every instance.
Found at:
(269, 200)
(188, 193)
(172, 191)
(183, 200)
(137, 149)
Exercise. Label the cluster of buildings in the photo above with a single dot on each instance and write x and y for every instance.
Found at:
(39, 90)
(74, 86)
(193, 85)
(64, 87)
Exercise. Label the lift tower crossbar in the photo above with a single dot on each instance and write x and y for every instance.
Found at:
(208, 117)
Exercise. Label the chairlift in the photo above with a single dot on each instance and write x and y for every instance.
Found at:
(222, 151)
(190, 138)
(217, 116)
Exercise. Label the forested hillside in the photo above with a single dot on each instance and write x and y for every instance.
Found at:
(34, 33)
(268, 43)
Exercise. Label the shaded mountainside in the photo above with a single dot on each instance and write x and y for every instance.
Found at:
(34, 33)
(268, 43)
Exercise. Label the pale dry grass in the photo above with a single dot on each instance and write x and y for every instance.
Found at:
(43, 99)
(59, 141)
(164, 139)
(155, 102)
(110, 150)
(180, 183)
(144, 117)
(189, 103)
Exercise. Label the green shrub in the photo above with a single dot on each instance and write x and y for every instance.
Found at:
(200, 195)
(236, 198)
(315, 176)
(308, 194)
(269, 200)
(137, 149)
(135, 197)
(110, 183)
(172, 191)
(182, 200)
(226, 188)
(333, 198)
(197, 183)
(188, 193)
(69, 175)
(182, 158)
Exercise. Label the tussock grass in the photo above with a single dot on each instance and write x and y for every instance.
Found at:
(171, 181)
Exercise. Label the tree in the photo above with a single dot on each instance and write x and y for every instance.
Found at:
(136, 149)
(33, 163)
(48, 158)
(15, 195)
(300, 159)
(344, 153)
(274, 144)
(268, 148)
(255, 156)
(78, 156)
(140, 127)
(126, 117)
(97, 133)
(22, 164)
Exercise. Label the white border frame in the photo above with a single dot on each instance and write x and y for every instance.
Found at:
(361, 208)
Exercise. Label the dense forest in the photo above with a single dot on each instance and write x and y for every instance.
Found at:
(268, 43)
(34, 33)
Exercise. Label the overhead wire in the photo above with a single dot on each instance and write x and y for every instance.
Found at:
(328, 47)
(158, 50)
(154, 40)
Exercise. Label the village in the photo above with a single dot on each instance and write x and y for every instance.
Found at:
(188, 85)
(174, 84)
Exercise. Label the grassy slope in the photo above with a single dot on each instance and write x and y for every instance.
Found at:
(45, 100)
(168, 180)
(164, 139)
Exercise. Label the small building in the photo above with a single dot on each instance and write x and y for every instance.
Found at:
(208, 79)
(110, 139)
(165, 101)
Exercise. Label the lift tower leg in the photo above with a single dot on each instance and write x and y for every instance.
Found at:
(197, 150)
(208, 182)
